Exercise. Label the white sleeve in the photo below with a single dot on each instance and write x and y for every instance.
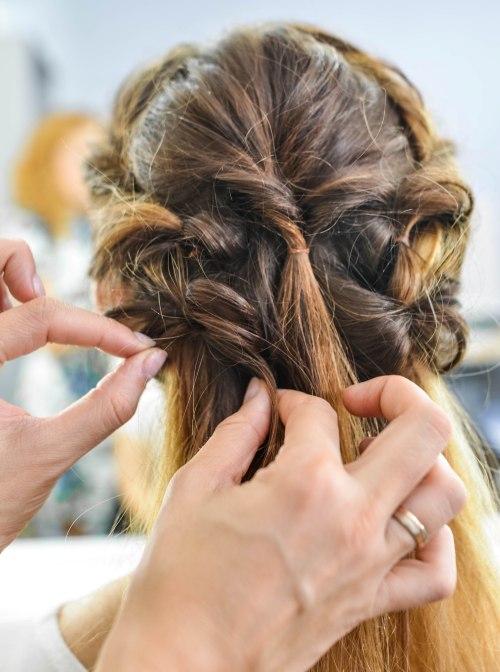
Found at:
(36, 646)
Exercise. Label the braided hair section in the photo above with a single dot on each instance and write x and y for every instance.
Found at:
(280, 204)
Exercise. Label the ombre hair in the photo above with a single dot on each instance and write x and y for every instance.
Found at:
(280, 205)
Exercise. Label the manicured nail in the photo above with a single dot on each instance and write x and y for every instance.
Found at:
(153, 363)
(37, 284)
(144, 339)
(253, 390)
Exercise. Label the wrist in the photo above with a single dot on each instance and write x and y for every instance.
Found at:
(178, 643)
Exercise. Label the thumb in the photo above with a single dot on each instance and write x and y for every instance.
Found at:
(227, 455)
(79, 428)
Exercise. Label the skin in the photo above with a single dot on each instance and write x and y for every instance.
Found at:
(290, 561)
(35, 452)
(301, 554)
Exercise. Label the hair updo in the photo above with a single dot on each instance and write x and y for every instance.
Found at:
(221, 160)
(279, 205)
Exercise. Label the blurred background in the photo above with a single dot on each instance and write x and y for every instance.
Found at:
(66, 60)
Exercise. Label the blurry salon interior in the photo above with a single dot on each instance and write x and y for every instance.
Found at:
(60, 65)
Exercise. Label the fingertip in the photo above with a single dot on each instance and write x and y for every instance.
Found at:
(144, 340)
(140, 367)
(228, 453)
(354, 391)
(441, 546)
(37, 284)
(257, 399)
(253, 389)
(152, 361)
(363, 398)
(19, 270)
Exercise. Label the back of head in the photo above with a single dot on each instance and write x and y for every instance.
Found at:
(279, 204)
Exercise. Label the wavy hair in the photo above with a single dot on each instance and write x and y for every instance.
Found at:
(280, 205)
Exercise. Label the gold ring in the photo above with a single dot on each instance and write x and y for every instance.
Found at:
(412, 525)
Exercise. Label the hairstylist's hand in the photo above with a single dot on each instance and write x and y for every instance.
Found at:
(34, 452)
(267, 575)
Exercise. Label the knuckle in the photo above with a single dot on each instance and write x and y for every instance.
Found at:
(449, 488)
(189, 479)
(319, 404)
(113, 408)
(396, 380)
(444, 585)
(363, 528)
(314, 483)
(436, 422)
(457, 494)
(120, 408)
(178, 480)
(42, 308)
(321, 473)
(398, 384)
(234, 427)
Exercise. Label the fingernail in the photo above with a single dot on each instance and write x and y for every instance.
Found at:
(37, 284)
(144, 339)
(153, 363)
(253, 390)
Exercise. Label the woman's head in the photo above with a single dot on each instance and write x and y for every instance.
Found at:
(278, 204)
(223, 162)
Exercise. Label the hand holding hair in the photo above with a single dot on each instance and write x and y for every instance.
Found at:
(34, 452)
(268, 574)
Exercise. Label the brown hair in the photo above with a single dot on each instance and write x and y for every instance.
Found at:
(279, 205)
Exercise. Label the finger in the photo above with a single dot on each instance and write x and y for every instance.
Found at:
(310, 424)
(382, 397)
(435, 501)
(5, 302)
(44, 320)
(9, 410)
(19, 272)
(408, 447)
(227, 455)
(67, 436)
(364, 443)
(431, 576)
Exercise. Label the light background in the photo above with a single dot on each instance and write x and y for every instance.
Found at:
(450, 50)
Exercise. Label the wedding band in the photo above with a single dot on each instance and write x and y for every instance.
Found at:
(412, 525)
